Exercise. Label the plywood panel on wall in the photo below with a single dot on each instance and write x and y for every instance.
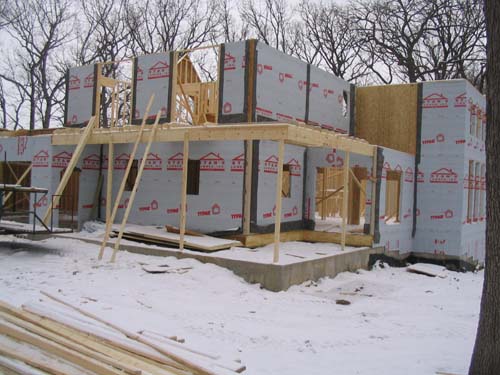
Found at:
(387, 116)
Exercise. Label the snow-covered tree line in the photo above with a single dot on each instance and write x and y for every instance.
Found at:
(364, 41)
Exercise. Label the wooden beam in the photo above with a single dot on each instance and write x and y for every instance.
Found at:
(336, 191)
(345, 198)
(136, 186)
(182, 218)
(279, 186)
(112, 214)
(247, 206)
(69, 169)
(323, 193)
(173, 98)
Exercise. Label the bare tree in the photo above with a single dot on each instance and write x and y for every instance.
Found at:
(40, 29)
(393, 31)
(331, 30)
(166, 25)
(485, 358)
(269, 21)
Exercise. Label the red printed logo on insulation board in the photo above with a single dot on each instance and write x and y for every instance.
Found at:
(238, 163)
(294, 167)
(327, 92)
(153, 206)
(229, 62)
(61, 160)
(448, 214)
(140, 74)
(153, 162)
(121, 161)
(334, 159)
(283, 76)
(74, 83)
(174, 163)
(271, 164)
(91, 162)
(409, 175)
(212, 162)
(159, 70)
(420, 176)
(435, 100)
(444, 176)
(461, 100)
(89, 81)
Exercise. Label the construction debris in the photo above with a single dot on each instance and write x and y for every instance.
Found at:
(45, 339)
(431, 270)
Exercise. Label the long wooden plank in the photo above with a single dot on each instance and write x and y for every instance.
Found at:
(373, 197)
(200, 368)
(182, 218)
(18, 182)
(69, 344)
(111, 218)
(69, 169)
(136, 186)
(345, 198)
(279, 187)
(72, 356)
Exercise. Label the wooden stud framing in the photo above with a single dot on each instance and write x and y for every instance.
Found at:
(111, 218)
(344, 198)
(182, 218)
(136, 186)
(69, 169)
(248, 188)
(279, 186)
(173, 99)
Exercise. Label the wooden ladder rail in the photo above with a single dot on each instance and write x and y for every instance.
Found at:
(111, 218)
(136, 185)
(69, 169)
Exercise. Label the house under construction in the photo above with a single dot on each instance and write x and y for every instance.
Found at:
(270, 144)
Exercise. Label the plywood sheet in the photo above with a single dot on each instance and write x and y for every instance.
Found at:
(387, 116)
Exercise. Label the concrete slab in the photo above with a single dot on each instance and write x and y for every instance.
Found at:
(293, 269)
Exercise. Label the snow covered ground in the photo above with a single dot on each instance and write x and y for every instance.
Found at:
(397, 323)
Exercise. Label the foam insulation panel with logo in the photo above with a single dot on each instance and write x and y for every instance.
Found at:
(291, 210)
(329, 101)
(281, 85)
(152, 76)
(217, 207)
(233, 85)
(80, 88)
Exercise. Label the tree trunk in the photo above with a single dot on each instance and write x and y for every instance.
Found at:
(486, 355)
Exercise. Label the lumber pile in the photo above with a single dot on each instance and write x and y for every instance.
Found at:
(62, 339)
(159, 236)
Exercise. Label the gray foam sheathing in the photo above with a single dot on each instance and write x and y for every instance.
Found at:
(233, 85)
(152, 76)
(266, 191)
(216, 208)
(326, 98)
(80, 95)
(281, 85)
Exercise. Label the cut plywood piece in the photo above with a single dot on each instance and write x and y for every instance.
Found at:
(159, 236)
(387, 116)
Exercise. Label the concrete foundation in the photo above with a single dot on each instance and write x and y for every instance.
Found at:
(273, 277)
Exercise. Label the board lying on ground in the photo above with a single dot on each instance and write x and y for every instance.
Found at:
(158, 235)
(45, 339)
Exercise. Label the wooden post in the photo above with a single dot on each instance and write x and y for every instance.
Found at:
(136, 186)
(248, 188)
(279, 187)
(345, 198)
(112, 214)
(182, 223)
(373, 197)
(69, 169)
(173, 101)
(323, 193)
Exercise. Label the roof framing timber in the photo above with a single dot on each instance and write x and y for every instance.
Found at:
(174, 132)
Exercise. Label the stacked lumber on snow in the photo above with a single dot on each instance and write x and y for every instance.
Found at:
(158, 236)
(42, 338)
